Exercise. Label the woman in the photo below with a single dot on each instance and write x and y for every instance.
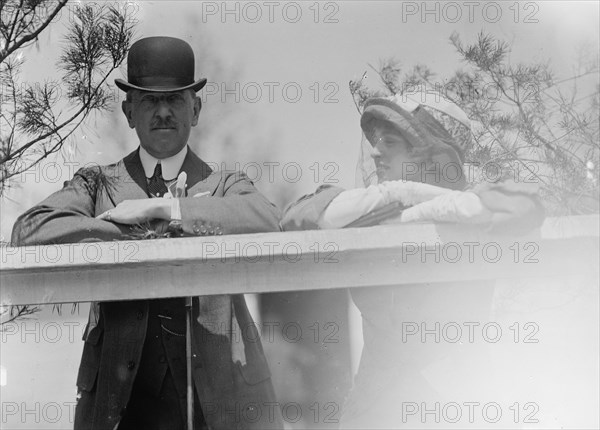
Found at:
(413, 153)
(411, 167)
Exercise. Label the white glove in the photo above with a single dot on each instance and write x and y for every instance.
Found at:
(352, 204)
(456, 206)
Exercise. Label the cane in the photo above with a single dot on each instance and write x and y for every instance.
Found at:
(188, 359)
(180, 191)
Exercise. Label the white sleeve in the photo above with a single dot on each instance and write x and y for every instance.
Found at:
(352, 204)
(456, 206)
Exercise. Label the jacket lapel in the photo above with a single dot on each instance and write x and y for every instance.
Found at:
(201, 178)
(130, 179)
(134, 167)
(196, 169)
(126, 181)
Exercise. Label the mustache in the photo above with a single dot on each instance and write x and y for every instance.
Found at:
(169, 123)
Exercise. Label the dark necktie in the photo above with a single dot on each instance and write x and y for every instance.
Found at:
(156, 184)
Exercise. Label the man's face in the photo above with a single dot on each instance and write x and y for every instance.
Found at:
(162, 121)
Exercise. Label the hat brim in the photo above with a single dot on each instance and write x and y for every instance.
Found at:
(126, 86)
(380, 110)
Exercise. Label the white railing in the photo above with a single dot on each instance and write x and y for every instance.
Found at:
(548, 376)
(274, 262)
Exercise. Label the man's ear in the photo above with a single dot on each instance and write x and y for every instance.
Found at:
(127, 108)
(197, 109)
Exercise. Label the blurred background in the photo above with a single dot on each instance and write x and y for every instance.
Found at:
(278, 106)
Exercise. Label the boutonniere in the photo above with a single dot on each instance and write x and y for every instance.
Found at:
(180, 187)
(160, 229)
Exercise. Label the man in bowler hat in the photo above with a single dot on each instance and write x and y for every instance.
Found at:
(133, 369)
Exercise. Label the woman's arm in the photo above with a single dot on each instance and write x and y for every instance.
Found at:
(504, 206)
(353, 204)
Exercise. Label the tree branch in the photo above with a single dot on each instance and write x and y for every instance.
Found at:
(31, 36)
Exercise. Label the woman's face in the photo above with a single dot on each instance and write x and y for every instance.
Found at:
(394, 159)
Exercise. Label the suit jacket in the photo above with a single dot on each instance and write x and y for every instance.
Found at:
(230, 372)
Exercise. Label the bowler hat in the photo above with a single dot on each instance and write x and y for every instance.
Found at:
(160, 64)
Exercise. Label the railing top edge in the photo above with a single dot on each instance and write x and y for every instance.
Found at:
(100, 255)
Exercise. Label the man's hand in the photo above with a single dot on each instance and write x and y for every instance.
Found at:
(138, 211)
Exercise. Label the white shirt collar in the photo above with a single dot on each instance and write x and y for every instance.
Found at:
(170, 166)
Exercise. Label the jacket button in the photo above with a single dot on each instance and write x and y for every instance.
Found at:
(140, 315)
(131, 365)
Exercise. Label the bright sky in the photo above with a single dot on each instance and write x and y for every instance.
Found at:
(293, 61)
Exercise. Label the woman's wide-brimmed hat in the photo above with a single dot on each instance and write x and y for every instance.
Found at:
(160, 64)
(423, 120)
(436, 128)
